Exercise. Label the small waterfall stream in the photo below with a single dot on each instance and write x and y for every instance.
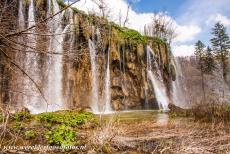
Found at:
(94, 98)
(107, 94)
(157, 82)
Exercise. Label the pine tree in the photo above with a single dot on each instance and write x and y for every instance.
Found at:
(200, 55)
(221, 46)
(209, 61)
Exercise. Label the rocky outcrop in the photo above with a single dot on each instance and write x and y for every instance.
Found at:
(130, 88)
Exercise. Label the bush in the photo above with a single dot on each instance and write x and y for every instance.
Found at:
(1, 118)
(212, 112)
(67, 118)
(62, 135)
(19, 116)
(30, 134)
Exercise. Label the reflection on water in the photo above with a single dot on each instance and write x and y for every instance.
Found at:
(135, 116)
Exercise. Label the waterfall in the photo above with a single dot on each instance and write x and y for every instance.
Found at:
(157, 82)
(107, 94)
(178, 93)
(32, 100)
(21, 19)
(55, 97)
(94, 98)
(53, 89)
(31, 19)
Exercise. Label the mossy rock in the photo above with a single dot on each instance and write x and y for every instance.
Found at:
(173, 72)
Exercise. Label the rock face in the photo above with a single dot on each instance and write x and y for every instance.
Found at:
(129, 85)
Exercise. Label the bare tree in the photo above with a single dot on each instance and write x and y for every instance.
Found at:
(161, 27)
(103, 7)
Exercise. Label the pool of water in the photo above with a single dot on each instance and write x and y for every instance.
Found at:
(137, 115)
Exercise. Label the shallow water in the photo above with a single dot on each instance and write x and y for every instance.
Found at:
(137, 115)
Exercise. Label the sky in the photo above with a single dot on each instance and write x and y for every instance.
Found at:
(193, 19)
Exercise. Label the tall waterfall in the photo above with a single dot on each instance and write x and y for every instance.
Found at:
(95, 99)
(53, 89)
(178, 90)
(157, 81)
(32, 100)
(107, 94)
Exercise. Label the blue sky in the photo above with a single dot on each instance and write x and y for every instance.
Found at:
(171, 6)
(193, 19)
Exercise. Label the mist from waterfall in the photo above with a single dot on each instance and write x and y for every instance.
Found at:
(157, 81)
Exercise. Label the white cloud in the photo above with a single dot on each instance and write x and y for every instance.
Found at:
(186, 33)
(218, 18)
(183, 50)
(136, 20)
(194, 15)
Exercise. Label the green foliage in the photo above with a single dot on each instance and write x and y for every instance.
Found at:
(209, 61)
(67, 118)
(19, 116)
(157, 40)
(199, 49)
(17, 126)
(130, 34)
(173, 71)
(1, 118)
(62, 135)
(30, 134)
(61, 3)
(221, 46)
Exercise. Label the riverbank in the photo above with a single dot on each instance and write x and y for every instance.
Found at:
(130, 132)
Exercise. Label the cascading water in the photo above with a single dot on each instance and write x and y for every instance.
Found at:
(107, 94)
(178, 91)
(53, 90)
(55, 98)
(54, 87)
(157, 82)
(95, 99)
(32, 100)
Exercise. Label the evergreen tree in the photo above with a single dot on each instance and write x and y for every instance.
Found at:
(200, 56)
(209, 61)
(221, 46)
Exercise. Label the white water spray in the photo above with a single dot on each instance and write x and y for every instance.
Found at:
(107, 94)
(94, 100)
(178, 91)
(157, 82)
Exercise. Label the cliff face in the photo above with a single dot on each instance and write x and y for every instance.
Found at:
(67, 64)
(191, 82)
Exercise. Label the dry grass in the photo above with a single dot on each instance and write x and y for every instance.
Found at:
(178, 136)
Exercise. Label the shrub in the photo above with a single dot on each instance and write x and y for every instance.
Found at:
(19, 116)
(212, 112)
(17, 126)
(30, 134)
(62, 135)
(67, 118)
(1, 118)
